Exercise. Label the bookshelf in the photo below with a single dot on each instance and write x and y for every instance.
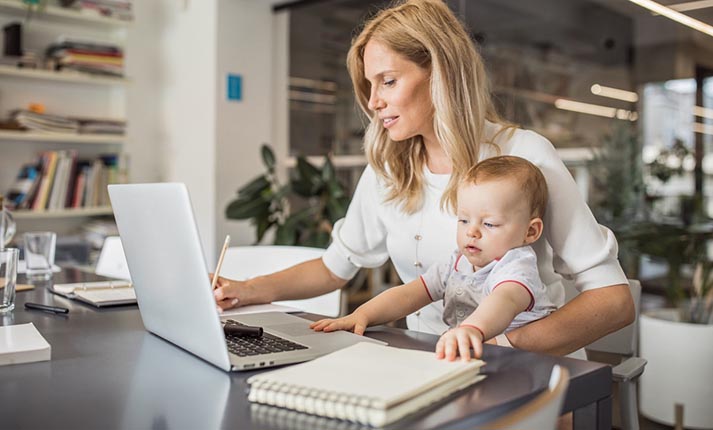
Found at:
(66, 93)
(84, 139)
(62, 213)
(54, 13)
(49, 75)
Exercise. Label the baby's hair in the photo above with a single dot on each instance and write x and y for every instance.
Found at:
(528, 176)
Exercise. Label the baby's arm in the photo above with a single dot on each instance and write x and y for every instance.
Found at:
(392, 304)
(489, 319)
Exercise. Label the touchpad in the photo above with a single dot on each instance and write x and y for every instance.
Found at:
(293, 329)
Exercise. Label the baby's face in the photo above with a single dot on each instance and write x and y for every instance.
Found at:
(493, 217)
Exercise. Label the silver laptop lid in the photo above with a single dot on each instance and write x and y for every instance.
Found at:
(167, 265)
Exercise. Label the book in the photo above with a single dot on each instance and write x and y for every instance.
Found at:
(364, 383)
(98, 293)
(22, 343)
(23, 185)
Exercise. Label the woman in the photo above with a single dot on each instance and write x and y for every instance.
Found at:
(421, 82)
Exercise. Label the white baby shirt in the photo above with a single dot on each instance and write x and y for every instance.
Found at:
(462, 289)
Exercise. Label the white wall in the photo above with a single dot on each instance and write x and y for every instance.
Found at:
(143, 93)
(246, 47)
(185, 79)
(181, 125)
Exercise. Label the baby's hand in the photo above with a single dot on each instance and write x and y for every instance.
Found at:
(458, 341)
(352, 322)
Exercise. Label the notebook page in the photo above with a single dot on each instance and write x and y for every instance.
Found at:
(387, 375)
(107, 295)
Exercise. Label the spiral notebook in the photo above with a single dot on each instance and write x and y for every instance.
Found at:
(365, 383)
(98, 293)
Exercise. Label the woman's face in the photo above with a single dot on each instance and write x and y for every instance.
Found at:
(400, 93)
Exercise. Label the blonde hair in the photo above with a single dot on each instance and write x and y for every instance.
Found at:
(427, 33)
(507, 167)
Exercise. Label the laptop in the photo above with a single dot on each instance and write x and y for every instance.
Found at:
(169, 272)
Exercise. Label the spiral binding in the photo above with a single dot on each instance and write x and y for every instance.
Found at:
(312, 401)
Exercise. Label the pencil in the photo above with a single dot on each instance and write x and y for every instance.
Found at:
(220, 262)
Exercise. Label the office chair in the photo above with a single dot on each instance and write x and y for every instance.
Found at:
(540, 413)
(243, 262)
(627, 366)
(112, 262)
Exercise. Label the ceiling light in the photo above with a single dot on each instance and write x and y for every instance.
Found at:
(676, 16)
(692, 5)
(702, 128)
(587, 108)
(312, 97)
(703, 112)
(615, 93)
(313, 84)
(598, 110)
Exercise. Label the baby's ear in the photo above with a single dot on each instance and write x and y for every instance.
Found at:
(534, 230)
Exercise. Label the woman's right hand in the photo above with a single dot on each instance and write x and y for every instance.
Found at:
(355, 322)
(229, 293)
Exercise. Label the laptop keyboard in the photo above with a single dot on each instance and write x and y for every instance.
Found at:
(244, 346)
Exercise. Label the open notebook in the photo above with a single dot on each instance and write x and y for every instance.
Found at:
(98, 293)
(364, 383)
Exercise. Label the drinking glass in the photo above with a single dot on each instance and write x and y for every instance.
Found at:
(39, 254)
(8, 278)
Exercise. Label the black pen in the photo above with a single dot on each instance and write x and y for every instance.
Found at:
(242, 330)
(46, 308)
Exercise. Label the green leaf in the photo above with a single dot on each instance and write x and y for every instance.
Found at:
(263, 225)
(336, 209)
(302, 188)
(336, 189)
(256, 186)
(309, 173)
(317, 239)
(285, 235)
(268, 157)
(246, 209)
(328, 173)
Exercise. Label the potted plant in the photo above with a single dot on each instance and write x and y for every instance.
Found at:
(301, 212)
(677, 342)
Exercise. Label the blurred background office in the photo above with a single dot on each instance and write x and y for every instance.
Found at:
(252, 95)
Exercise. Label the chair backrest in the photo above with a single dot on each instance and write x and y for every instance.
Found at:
(540, 413)
(625, 340)
(112, 262)
(244, 262)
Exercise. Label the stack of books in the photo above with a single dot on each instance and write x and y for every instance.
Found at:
(86, 57)
(101, 126)
(118, 9)
(60, 180)
(29, 120)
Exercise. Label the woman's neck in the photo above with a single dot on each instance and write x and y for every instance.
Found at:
(437, 160)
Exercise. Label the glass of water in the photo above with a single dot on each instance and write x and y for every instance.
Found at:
(39, 254)
(8, 278)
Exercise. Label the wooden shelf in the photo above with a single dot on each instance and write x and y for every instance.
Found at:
(56, 13)
(67, 76)
(30, 136)
(62, 213)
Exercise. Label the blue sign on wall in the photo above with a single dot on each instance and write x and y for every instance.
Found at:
(235, 87)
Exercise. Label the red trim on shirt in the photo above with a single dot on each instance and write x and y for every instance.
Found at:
(455, 266)
(424, 286)
(532, 297)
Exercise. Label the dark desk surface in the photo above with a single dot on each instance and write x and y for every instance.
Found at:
(107, 372)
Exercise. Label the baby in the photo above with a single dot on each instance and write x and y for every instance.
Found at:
(496, 287)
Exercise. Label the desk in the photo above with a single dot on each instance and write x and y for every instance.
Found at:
(107, 372)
